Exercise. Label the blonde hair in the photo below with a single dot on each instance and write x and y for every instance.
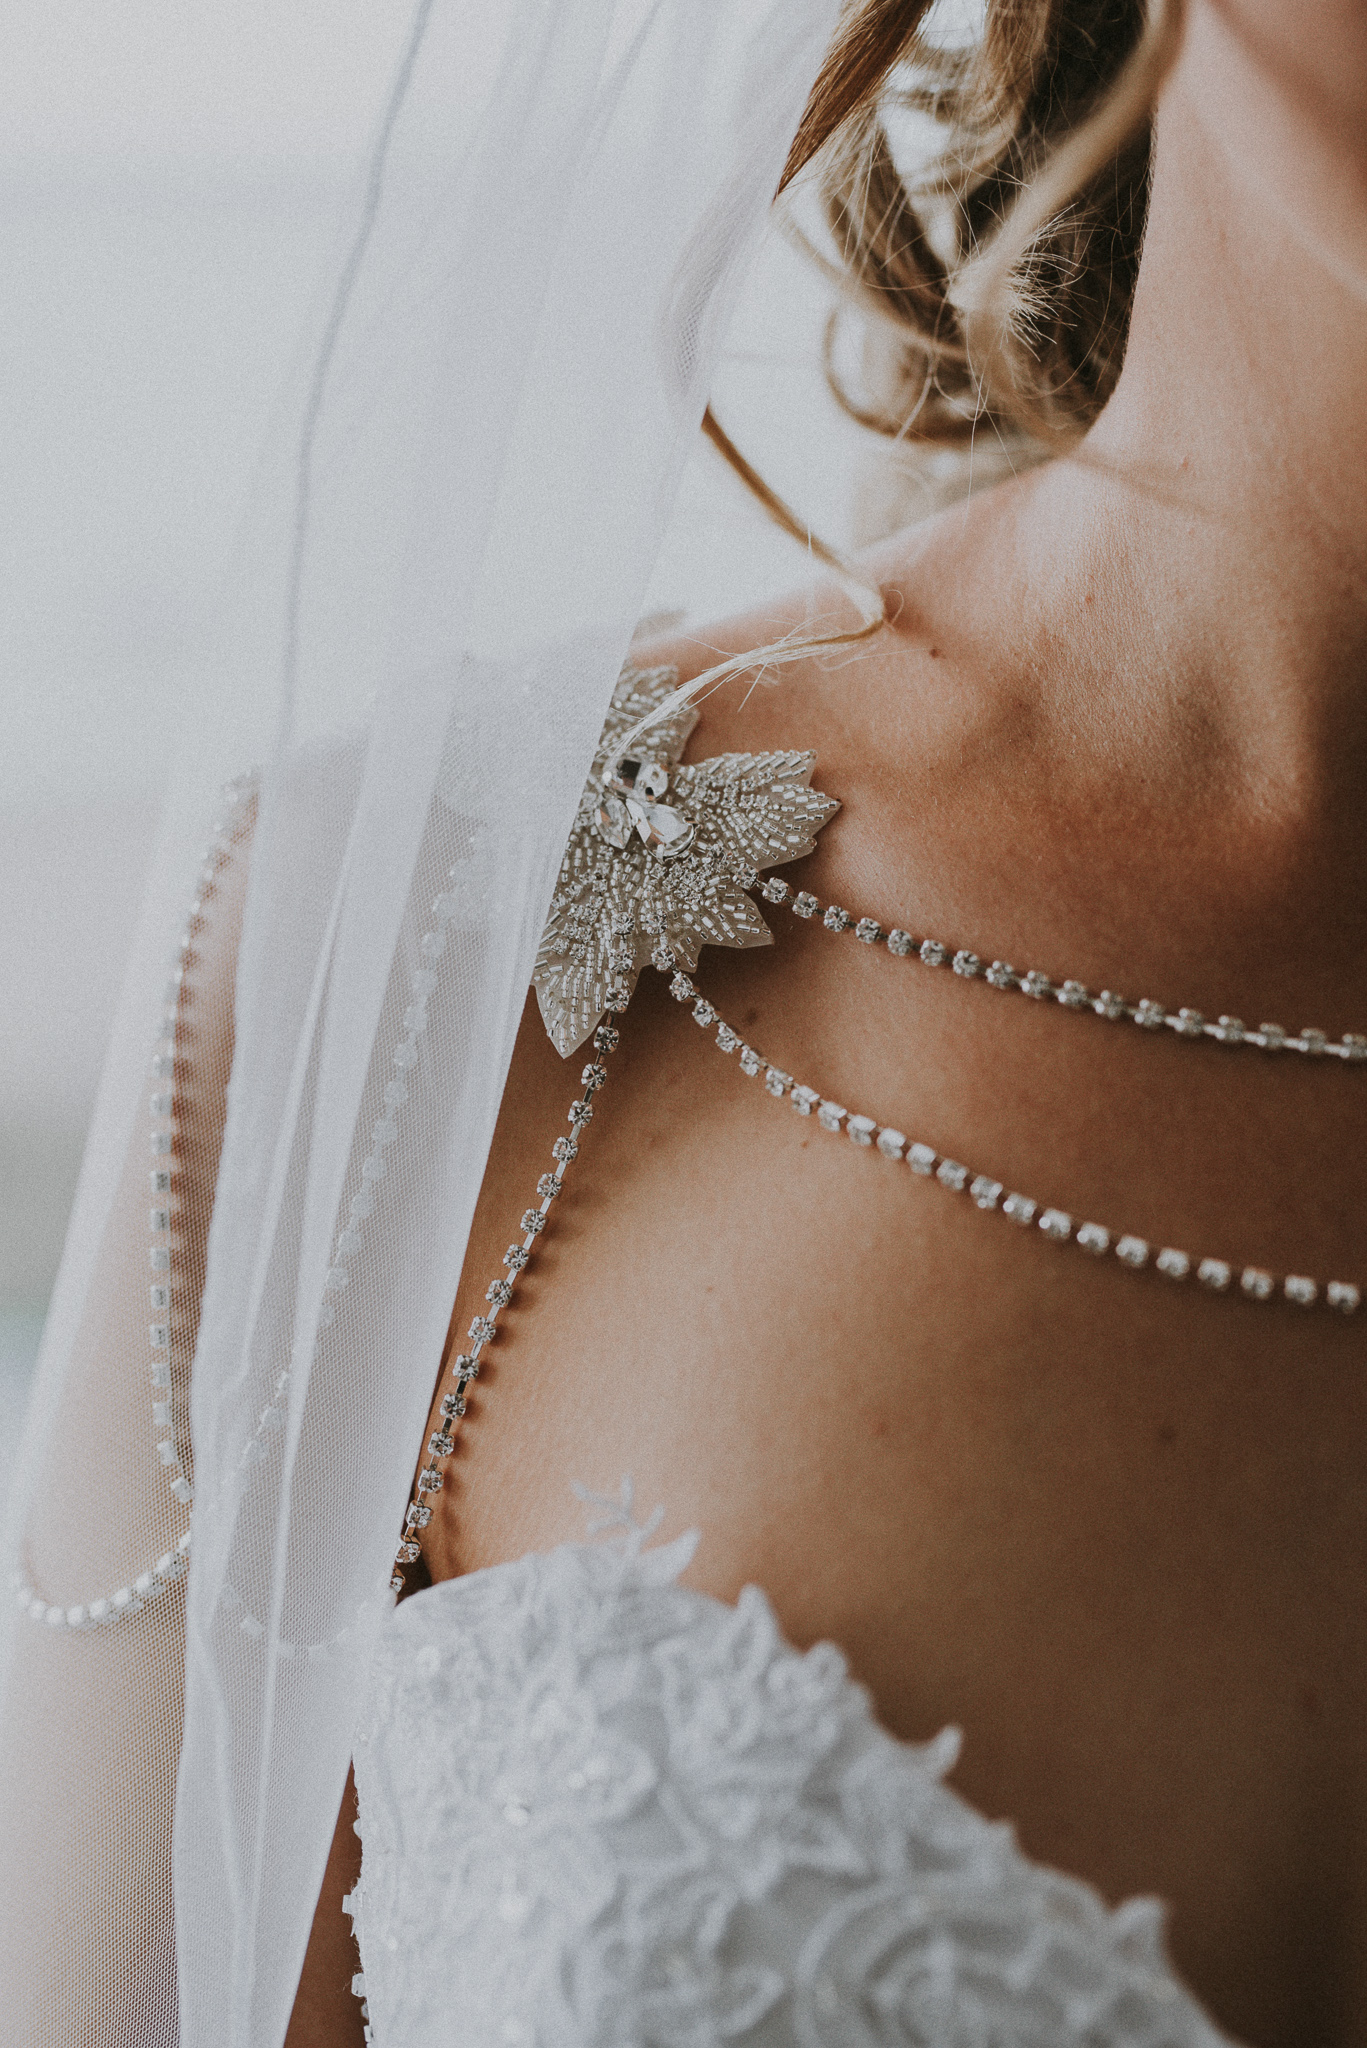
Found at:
(1006, 265)
(1005, 269)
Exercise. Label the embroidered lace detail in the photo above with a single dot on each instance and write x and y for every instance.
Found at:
(601, 1810)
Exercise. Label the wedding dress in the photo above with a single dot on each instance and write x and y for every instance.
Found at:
(600, 1810)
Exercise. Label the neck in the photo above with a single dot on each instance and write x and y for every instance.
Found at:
(1229, 472)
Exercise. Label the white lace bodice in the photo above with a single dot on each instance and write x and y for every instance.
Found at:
(600, 1810)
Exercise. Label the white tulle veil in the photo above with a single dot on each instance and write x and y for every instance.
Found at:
(456, 519)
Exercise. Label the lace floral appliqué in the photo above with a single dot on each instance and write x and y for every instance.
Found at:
(601, 1810)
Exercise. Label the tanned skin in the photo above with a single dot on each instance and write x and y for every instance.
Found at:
(1114, 1529)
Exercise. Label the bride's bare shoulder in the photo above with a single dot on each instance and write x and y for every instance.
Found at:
(938, 682)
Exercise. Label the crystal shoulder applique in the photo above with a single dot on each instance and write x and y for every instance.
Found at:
(662, 856)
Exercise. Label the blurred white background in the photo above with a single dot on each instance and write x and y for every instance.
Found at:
(172, 176)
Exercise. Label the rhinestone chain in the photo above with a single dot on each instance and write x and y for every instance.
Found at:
(499, 1293)
(441, 1444)
(989, 1194)
(171, 1448)
(1148, 1015)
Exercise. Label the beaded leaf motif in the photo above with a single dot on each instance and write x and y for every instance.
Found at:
(662, 856)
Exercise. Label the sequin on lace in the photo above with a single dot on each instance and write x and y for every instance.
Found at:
(600, 1810)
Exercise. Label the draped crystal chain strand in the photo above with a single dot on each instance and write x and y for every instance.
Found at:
(1072, 995)
(170, 1330)
(464, 1369)
(989, 1194)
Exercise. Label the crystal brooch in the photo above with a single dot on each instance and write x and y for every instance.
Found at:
(664, 855)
